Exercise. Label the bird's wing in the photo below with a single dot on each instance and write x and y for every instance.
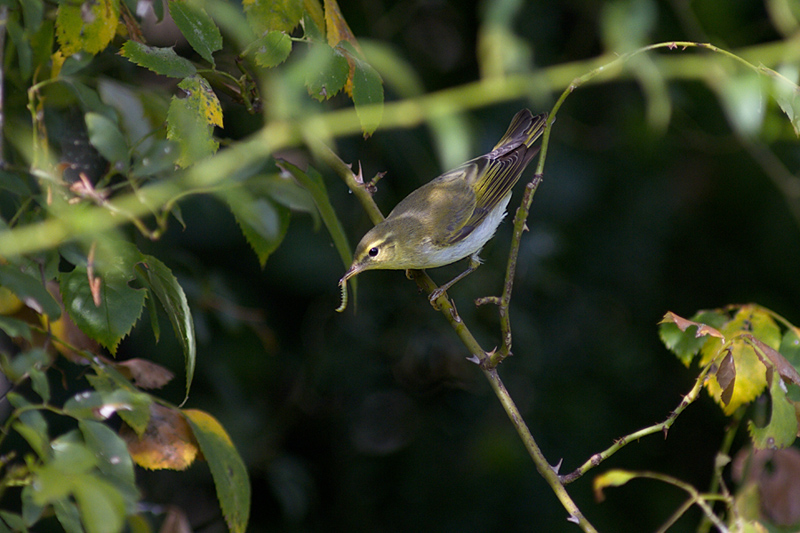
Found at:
(496, 172)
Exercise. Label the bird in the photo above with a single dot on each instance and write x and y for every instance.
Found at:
(452, 216)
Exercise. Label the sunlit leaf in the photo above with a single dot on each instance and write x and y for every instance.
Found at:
(199, 29)
(781, 430)
(86, 26)
(227, 468)
(162, 61)
(273, 15)
(612, 478)
(119, 310)
(168, 442)
(336, 26)
(164, 285)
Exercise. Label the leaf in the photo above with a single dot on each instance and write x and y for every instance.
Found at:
(101, 405)
(750, 378)
(772, 358)
(336, 26)
(313, 15)
(327, 71)
(14, 327)
(164, 285)
(272, 49)
(86, 26)
(108, 381)
(160, 157)
(312, 181)
(781, 430)
(367, 95)
(743, 100)
(685, 337)
(227, 468)
(144, 373)
(105, 135)
(101, 506)
(190, 120)
(162, 61)
(115, 463)
(30, 290)
(612, 478)
(168, 442)
(787, 93)
(31, 426)
(119, 310)
(199, 29)
(263, 223)
(273, 15)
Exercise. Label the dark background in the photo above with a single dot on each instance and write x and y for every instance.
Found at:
(375, 421)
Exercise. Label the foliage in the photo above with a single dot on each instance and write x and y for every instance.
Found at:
(114, 137)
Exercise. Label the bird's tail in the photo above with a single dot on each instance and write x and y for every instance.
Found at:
(525, 128)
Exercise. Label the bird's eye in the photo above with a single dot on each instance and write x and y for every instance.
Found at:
(373, 252)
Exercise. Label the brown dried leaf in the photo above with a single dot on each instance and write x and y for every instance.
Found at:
(683, 324)
(774, 359)
(144, 373)
(726, 377)
(167, 443)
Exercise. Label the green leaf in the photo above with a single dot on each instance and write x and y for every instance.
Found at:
(86, 26)
(11, 520)
(119, 310)
(198, 28)
(15, 327)
(263, 223)
(367, 91)
(190, 120)
(31, 426)
(21, 41)
(312, 181)
(162, 61)
(31, 511)
(32, 14)
(743, 99)
(68, 515)
(272, 49)
(108, 380)
(160, 157)
(16, 368)
(101, 405)
(790, 348)
(101, 506)
(787, 94)
(326, 72)
(164, 285)
(105, 135)
(781, 430)
(40, 385)
(115, 462)
(227, 468)
(30, 290)
(273, 15)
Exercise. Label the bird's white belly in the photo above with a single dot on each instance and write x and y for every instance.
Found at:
(472, 243)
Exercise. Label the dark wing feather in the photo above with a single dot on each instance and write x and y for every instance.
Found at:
(496, 173)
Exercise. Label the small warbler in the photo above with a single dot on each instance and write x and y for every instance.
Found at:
(452, 216)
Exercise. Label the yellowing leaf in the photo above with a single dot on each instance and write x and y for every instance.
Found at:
(86, 26)
(167, 443)
(749, 380)
(9, 303)
(190, 120)
(227, 468)
(612, 478)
